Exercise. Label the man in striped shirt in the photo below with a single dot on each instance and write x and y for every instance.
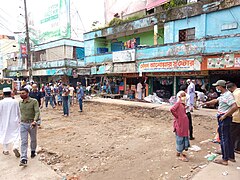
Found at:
(227, 106)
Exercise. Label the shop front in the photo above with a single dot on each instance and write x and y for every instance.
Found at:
(52, 75)
(166, 76)
(225, 67)
(129, 75)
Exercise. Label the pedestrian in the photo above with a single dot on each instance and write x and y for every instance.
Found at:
(235, 126)
(226, 108)
(191, 93)
(60, 92)
(54, 93)
(59, 97)
(30, 113)
(36, 94)
(139, 90)
(9, 123)
(80, 96)
(28, 86)
(43, 90)
(71, 94)
(48, 96)
(65, 100)
(188, 112)
(181, 126)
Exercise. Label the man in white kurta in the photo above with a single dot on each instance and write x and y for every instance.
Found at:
(139, 90)
(191, 93)
(9, 123)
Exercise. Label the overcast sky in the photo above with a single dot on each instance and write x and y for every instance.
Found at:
(11, 20)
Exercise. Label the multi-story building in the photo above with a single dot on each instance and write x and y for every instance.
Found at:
(56, 45)
(61, 59)
(165, 48)
(10, 56)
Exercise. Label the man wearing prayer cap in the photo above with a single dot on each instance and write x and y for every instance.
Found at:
(9, 122)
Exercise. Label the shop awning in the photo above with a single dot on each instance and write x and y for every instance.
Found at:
(156, 3)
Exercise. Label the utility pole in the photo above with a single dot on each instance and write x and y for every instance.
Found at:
(29, 63)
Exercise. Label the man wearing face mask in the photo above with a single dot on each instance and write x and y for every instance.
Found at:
(181, 125)
(227, 106)
(36, 94)
(30, 113)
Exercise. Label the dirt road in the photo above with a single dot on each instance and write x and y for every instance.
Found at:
(119, 142)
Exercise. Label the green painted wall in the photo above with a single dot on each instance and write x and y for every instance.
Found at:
(146, 38)
(102, 43)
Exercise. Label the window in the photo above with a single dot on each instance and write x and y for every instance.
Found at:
(150, 11)
(39, 56)
(78, 53)
(187, 34)
(74, 52)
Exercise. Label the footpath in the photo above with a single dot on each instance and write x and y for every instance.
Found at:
(164, 107)
(212, 170)
(36, 170)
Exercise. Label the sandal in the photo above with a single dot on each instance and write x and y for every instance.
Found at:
(232, 160)
(178, 154)
(184, 159)
(220, 161)
(5, 152)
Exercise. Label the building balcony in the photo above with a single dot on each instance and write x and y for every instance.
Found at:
(204, 46)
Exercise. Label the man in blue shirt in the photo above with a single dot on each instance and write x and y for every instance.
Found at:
(48, 96)
(80, 96)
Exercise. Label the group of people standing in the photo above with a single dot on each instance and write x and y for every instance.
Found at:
(228, 117)
(18, 119)
(58, 94)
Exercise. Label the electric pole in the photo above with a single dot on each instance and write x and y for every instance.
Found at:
(29, 63)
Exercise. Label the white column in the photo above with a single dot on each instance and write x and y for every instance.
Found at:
(155, 34)
(174, 85)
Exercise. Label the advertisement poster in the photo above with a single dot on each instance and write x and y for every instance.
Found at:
(226, 61)
(237, 62)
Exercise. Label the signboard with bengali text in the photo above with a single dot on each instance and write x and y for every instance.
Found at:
(170, 65)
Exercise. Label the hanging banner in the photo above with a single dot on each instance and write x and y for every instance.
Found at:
(170, 65)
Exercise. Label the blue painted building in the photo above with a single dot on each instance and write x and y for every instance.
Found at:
(199, 42)
(60, 59)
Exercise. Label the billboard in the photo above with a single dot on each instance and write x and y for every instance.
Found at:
(50, 23)
(55, 23)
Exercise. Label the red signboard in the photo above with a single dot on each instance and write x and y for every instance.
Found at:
(23, 49)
